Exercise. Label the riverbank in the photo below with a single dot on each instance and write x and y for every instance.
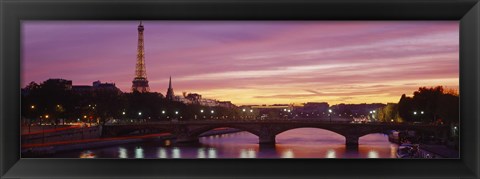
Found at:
(42, 149)
(438, 151)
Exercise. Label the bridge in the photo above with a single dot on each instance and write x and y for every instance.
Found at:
(267, 130)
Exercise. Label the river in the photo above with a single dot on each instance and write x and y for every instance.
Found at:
(297, 143)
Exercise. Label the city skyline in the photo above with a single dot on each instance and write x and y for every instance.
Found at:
(251, 62)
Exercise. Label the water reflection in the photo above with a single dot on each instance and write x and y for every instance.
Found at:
(212, 153)
(176, 152)
(87, 154)
(247, 153)
(372, 154)
(288, 154)
(162, 153)
(139, 152)
(201, 153)
(331, 154)
(299, 143)
(122, 152)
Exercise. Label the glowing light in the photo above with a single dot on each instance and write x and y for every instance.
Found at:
(33, 106)
(288, 154)
(176, 153)
(331, 154)
(201, 111)
(139, 113)
(87, 154)
(201, 153)
(372, 154)
(212, 153)
(162, 153)
(139, 152)
(122, 153)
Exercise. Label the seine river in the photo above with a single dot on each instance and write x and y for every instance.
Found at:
(298, 143)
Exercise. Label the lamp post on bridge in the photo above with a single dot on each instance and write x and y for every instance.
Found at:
(253, 116)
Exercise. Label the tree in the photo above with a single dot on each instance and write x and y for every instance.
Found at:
(429, 105)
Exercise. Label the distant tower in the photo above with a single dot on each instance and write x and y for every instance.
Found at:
(170, 96)
(140, 82)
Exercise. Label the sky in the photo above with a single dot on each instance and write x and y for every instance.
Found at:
(251, 62)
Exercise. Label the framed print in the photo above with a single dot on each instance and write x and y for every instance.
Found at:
(293, 89)
(214, 89)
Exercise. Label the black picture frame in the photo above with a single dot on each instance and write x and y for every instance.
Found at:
(14, 11)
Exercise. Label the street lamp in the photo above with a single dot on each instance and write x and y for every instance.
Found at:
(43, 130)
(30, 120)
(139, 113)
(201, 111)
(421, 117)
(373, 114)
(176, 112)
(330, 114)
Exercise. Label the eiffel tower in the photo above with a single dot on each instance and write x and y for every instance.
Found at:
(140, 82)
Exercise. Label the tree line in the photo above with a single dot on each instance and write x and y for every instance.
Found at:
(52, 103)
(427, 105)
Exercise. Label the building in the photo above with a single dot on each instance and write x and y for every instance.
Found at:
(194, 98)
(226, 104)
(170, 95)
(311, 107)
(208, 102)
(58, 84)
(96, 86)
(82, 89)
(140, 82)
(356, 109)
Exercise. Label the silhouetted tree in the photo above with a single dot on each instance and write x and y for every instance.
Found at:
(434, 102)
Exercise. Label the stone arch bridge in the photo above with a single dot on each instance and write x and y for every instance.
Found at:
(267, 130)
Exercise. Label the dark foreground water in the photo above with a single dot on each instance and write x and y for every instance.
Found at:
(298, 143)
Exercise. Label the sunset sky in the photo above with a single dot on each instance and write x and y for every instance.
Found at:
(251, 62)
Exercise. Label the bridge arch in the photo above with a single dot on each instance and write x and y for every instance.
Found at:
(200, 130)
(278, 132)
